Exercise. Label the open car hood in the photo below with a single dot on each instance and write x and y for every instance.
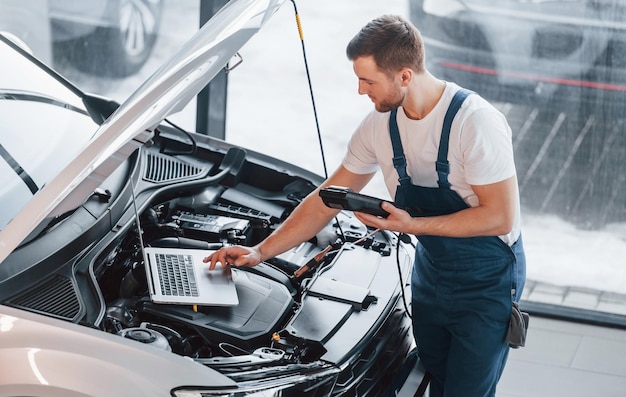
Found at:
(167, 92)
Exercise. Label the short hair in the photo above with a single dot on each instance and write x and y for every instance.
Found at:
(394, 42)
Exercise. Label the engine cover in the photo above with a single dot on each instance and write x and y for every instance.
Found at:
(263, 305)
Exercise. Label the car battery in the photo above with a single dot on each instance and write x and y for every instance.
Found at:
(213, 228)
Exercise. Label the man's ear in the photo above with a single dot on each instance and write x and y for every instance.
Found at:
(406, 75)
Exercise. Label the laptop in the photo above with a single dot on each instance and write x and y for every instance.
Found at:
(178, 276)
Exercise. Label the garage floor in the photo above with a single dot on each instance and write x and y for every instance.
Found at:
(566, 359)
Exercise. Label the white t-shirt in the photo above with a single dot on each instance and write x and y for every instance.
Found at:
(480, 149)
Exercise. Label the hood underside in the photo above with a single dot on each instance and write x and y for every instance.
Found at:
(169, 89)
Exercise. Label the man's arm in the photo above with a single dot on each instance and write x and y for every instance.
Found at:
(309, 217)
(494, 215)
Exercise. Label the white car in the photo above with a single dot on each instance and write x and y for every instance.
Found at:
(87, 185)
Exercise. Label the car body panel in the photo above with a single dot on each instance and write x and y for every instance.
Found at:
(53, 357)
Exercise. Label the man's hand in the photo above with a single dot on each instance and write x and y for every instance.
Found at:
(398, 220)
(235, 255)
(494, 215)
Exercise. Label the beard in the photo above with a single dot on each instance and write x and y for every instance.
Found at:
(393, 101)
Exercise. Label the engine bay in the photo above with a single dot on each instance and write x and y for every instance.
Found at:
(261, 329)
(319, 310)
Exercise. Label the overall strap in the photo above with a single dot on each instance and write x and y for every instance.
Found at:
(399, 161)
(442, 166)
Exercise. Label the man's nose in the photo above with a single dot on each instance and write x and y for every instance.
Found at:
(362, 89)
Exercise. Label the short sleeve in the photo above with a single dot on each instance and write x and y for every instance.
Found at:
(360, 157)
(487, 148)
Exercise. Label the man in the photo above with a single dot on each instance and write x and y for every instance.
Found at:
(447, 158)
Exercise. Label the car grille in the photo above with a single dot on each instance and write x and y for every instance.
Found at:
(380, 359)
(56, 296)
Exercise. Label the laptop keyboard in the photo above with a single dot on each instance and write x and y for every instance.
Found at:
(176, 275)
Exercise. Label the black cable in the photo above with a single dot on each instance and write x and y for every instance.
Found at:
(317, 124)
(308, 76)
(402, 237)
(194, 145)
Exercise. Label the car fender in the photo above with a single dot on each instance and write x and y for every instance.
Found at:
(49, 357)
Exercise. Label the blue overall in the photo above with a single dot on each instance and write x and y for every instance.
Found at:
(462, 288)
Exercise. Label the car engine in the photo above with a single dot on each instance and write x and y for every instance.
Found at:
(270, 294)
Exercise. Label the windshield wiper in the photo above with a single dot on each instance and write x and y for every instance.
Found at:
(19, 170)
(98, 108)
(15, 95)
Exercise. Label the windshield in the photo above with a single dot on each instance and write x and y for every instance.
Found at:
(32, 148)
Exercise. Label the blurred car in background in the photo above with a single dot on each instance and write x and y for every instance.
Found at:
(568, 53)
(106, 38)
